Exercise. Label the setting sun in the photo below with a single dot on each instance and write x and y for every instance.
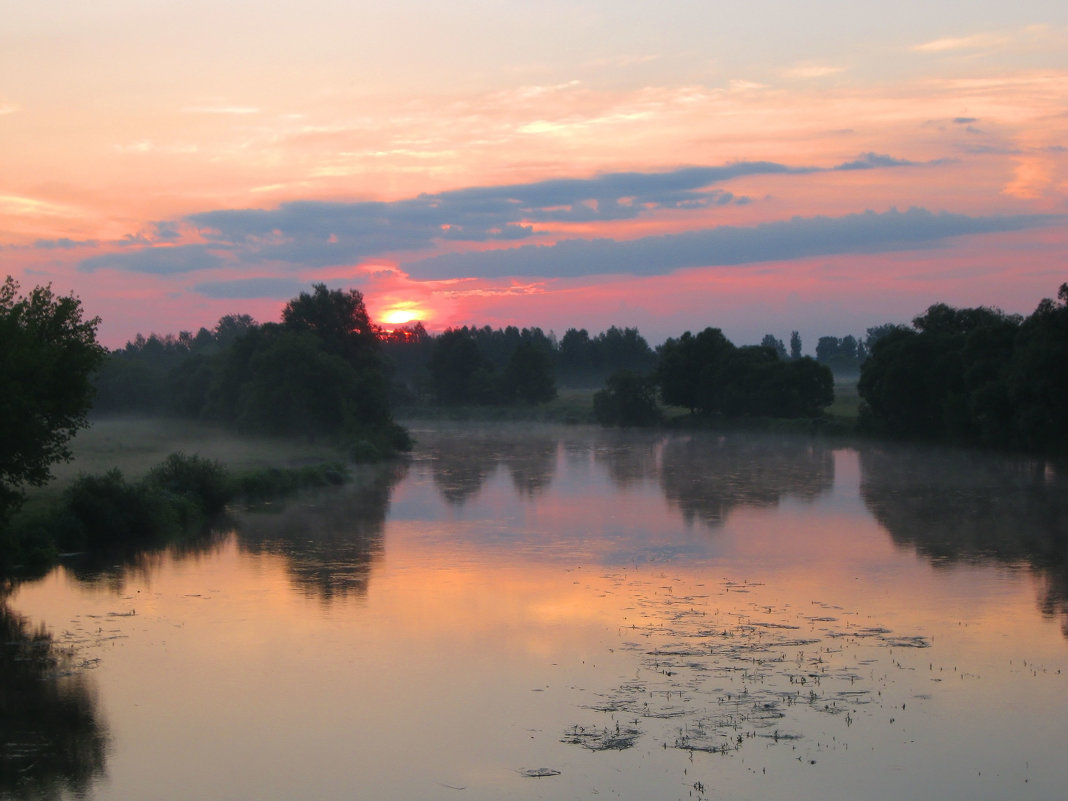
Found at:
(401, 316)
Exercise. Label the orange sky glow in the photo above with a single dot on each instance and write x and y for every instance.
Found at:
(670, 168)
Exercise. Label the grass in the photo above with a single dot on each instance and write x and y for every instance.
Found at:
(136, 445)
(846, 404)
(146, 482)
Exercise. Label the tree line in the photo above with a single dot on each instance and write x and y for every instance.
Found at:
(208, 375)
(975, 376)
(326, 362)
(318, 372)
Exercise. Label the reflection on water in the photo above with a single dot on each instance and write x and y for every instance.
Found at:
(463, 460)
(51, 738)
(706, 478)
(330, 540)
(116, 566)
(959, 506)
(703, 476)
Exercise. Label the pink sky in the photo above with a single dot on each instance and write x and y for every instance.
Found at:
(587, 164)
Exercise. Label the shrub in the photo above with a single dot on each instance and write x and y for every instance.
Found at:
(202, 481)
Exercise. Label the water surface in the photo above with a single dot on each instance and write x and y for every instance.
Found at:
(571, 613)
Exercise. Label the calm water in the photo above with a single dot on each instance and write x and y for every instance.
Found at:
(571, 614)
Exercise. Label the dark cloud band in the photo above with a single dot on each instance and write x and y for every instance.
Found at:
(723, 246)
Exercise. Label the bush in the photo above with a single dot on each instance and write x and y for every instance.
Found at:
(628, 399)
(203, 482)
(106, 509)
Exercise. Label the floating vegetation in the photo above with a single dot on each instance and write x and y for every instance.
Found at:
(725, 676)
(602, 739)
(538, 773)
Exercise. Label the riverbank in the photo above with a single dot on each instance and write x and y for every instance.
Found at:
(145, 481)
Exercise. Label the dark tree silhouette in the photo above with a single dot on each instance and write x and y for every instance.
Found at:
(628, 399)
(48, 353)
(973, 376)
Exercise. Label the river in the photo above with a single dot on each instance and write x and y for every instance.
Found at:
(570, 613)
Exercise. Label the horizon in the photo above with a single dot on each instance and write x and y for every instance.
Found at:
(760, 170)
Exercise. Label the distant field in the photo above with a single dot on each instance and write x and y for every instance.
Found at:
(846, 404)
(570, 406)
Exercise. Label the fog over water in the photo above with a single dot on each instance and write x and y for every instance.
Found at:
(566, 612)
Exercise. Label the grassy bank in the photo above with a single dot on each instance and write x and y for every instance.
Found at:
(143, 482)
(135, 445)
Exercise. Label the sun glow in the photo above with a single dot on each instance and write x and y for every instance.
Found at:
(402, 315)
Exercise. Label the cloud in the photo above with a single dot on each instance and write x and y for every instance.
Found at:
(328, 233)
(64, 243)
(869, 161)
(221, 109)
(812, 70)
(977, 41)
(156, 260)
(798, 238)
(331, 233)
(251, 288)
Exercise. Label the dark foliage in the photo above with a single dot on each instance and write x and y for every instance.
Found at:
(459, 372)
(528, 377)
(54, 737)
(203, 481)
(339, 321)
(585, 361)
(795, 345)
(628, 399)
(106, 514)
(319, 373)
(48, 353)
(770, 341)
(707, 374)
(844, 355)
(974, 376)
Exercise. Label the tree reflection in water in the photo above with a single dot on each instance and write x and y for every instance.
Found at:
(463, 459)
(53, 743)
(630, 457)
(116, 567)
(963, 506)
(708, 476)
(330, 540)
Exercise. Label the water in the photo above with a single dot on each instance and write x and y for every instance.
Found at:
(571, 613)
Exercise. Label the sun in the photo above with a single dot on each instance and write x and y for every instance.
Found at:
(402, 315)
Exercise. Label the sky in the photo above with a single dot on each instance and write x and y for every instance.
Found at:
(761, 167)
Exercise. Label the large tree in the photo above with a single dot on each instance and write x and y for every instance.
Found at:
(340, 321)
(48, 353)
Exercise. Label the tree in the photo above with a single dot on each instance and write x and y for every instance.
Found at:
(1038, 380)
(795, 345)
(709, 375)
(689, 368)
(960, 375)
(628, 399)
(48, 353)
(770, 341)
(875, 333)
(459, 373)
(528, 376)
(339, 319)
